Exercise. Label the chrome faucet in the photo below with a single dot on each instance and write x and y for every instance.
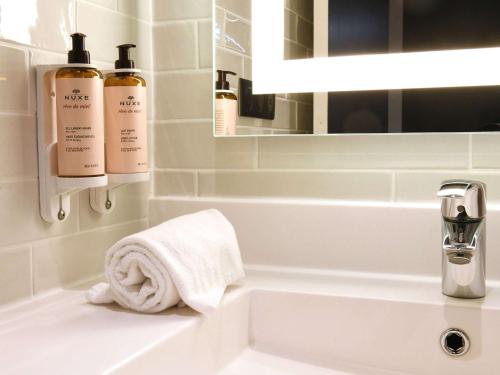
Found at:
(463, 211)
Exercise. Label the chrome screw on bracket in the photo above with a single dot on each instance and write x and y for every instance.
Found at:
(108, 203)
(61, 215)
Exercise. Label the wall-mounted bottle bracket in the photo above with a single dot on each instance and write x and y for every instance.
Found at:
(55, 192)
(103, 199)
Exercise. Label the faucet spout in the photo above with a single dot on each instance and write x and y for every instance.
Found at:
(463, 212)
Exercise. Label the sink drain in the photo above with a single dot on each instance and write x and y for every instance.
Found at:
(455, 342)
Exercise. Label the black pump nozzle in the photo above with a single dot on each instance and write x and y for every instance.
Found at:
(222, 83)
(78, 54)
(124, 61)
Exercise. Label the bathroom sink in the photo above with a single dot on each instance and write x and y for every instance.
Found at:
(278, 322)
(277, 331)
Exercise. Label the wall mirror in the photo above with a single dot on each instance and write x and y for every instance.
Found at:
(356, 66)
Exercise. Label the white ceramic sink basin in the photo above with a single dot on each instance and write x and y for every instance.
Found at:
(271, 332)
(277, 323)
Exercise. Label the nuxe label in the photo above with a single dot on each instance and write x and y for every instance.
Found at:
(126, 129)
(226, 111)
(80, 130)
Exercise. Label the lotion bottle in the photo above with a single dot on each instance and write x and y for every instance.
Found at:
(126, 117)
(80, 115)
(226, 105)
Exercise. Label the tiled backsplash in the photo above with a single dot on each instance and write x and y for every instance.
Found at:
(35, 256)
(188, 161)
(391, 168)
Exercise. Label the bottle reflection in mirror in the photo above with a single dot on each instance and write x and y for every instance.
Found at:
(226, 105)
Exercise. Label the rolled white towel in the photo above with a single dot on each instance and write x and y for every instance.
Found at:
(192, 259)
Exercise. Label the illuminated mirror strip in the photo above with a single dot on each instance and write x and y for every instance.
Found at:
(392, 71)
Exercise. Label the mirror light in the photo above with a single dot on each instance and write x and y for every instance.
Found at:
(391, 71)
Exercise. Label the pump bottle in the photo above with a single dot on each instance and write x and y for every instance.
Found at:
(80, 115)
(126, 117)
(226, 105)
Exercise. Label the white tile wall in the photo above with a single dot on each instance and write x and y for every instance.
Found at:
(189, 162)
(36, 256)
(171, 56)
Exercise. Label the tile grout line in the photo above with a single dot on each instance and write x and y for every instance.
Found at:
(115, 11)
(197, 183)
(183, 71)
(331, 170)
(470, 151)
(32, 271)
(393, 186)
(180, 21)
(197, 45)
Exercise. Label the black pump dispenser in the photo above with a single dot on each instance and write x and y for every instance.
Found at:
(222, 83)
(78, 54)
(124, 61)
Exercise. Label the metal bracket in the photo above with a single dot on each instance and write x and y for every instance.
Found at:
(103, 199)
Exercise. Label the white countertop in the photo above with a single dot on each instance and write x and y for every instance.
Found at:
(69, 336)
(63, 334)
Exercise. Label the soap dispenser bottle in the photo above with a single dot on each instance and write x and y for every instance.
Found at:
(80, 114)
(126, 117)
(226, 105)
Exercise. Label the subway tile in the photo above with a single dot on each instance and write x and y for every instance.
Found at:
(249, 121)
(425, 151)
(226, 60)
(305, 117)
(21, 221)
(305, 33)
(141, 9)
(485, 151)
(220, 27)
(175, 183)
(238, 35)
(13, 79)
(66, 260)
(302, 97)
(285, 132)
(290, 25)
(165, 10)
(131, 204)
(244, 130)
(275, 184)
(285, 116)
(294, 51)
(111, 4)
(242, 8)
(40, 57)
(183, 95)
(180, 54)
(414, 186)
(149, 77)
(247, 68)
(18, 154)
(304, 8)
(193, 146)
(15, 274)
(205, 43)
(106, 29)
(45, 24)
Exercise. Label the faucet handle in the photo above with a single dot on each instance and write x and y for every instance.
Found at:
(453, 189)
(463, 200)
